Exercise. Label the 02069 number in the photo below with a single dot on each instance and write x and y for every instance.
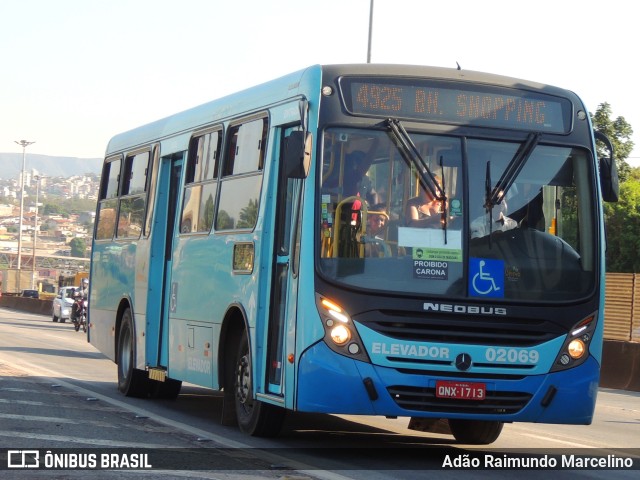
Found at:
(512, 355)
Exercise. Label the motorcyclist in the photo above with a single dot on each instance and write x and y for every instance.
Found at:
(80, 295)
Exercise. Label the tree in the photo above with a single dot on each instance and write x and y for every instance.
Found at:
(78, 247)
(67, 206)
(623, 228)
(619, 132)
(248, 214)
(51, 209)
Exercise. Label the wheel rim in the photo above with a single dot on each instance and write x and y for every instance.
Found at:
(243, 382)
(125, 352)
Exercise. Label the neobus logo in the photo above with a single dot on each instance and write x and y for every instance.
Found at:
(472, 309)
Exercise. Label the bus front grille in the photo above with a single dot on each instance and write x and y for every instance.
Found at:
(424, 400)
(508, 331)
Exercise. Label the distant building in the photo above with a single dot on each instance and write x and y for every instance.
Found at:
(86, 217)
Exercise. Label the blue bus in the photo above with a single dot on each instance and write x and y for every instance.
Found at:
(385, 240)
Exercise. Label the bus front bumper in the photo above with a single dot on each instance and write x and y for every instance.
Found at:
(332, 383)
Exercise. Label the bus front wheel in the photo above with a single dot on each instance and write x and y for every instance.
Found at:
(254, 417)
(475, 432)
(131, 381)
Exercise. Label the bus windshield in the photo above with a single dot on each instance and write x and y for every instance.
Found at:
(381, 228)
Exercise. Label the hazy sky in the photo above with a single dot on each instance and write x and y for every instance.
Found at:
(76, 72)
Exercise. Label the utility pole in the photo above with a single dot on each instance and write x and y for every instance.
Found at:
(370, 32)
(24, 144)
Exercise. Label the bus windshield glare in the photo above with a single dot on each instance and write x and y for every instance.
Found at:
(381, 229)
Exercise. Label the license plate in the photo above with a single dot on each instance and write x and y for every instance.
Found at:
(461, 390)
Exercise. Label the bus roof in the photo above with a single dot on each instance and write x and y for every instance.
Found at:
(242, 102)
(292, 85)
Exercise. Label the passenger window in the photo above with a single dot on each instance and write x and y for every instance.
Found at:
(240, 195)
(201, 183)
(133, 195)
(106, 219)
(191, 202)
(135, 174)
(110, 177)
(239, 201)
(107, 202)
(210, 146)
(247, 143)
(131, 216)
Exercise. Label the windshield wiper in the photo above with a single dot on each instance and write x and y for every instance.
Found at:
(413, 156)
(494, 197)
(411, 153)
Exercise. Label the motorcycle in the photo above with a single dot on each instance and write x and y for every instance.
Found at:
(80, 318)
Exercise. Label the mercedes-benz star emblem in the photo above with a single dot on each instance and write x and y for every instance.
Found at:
(463, 361)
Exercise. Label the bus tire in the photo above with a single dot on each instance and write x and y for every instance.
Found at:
(131, 381)
(254, 417)
(475, 432)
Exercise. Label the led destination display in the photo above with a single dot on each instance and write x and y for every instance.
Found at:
(457, 103)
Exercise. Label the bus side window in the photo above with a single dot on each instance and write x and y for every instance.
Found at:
(133, 195)
(108, 199)
(242, 176)
(247, 145)
(201, 183)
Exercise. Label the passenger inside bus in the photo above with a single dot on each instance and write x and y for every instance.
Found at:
(374, 239)
(376, 221)
(423, 211)
(355, 179)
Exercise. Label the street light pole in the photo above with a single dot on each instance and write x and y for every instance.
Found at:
(34, 284)
(24, 144)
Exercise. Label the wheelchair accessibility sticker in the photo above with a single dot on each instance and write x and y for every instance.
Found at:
(486, 277)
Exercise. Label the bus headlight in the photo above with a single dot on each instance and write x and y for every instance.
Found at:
(575, 349)
(340, 333)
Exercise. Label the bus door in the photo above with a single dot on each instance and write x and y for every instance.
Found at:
(159, 296)
(285, 279)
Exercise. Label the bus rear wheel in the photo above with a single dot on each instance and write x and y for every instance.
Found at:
(254, 417)
(131, 381)
(475, 432)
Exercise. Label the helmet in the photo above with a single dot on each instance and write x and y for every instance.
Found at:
(85, 281)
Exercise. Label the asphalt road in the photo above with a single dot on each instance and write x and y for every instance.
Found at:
(58, 393)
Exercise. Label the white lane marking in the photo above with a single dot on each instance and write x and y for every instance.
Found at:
(276, 459)
(38, 418)
(556, 440)
(83, 441)
(21, 402)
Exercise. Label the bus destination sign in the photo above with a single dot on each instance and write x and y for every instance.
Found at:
(457, 103)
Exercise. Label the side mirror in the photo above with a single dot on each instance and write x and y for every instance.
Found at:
(297, 154)
(609, 182)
